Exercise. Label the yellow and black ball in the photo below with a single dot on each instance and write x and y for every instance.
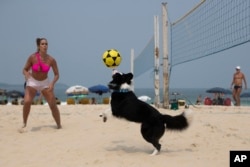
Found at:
(111, 58)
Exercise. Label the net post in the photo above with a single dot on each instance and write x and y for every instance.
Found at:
(156, 58)
(165, 56)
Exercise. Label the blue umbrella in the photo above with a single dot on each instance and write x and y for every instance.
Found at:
(219, 90)
(99, 89)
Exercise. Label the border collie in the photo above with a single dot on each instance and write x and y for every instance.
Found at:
(125, 104)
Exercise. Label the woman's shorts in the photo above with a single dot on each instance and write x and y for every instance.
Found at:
(38, 85)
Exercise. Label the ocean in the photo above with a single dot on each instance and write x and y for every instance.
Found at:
(188, 94)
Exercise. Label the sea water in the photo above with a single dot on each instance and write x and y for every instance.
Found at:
(188, 94)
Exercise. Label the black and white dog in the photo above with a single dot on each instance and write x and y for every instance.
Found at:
(125, 104)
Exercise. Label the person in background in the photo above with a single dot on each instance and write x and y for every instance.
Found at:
(199, 100)
(93, 101)
(36, 72)
(40, 98)
(236, 85)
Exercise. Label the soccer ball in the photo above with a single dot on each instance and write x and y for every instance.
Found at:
(111, 58)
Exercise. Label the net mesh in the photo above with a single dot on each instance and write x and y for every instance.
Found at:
(214, 26)
(211, 27)
(145, 60)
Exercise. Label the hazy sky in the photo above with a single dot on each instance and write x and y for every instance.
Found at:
(79, 31)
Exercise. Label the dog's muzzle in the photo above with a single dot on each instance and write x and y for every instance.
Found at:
(112, 85)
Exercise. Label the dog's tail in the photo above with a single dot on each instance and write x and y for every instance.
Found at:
(178, 122)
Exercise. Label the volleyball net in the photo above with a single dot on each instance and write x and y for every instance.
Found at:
(145, 60)
(214, 26)
(211, 27)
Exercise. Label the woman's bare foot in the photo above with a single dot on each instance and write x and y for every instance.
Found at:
(59, 126)
(23, 129)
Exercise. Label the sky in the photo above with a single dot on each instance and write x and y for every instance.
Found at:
(79, 31)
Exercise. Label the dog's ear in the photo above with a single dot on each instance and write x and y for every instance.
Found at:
(129, 76)
(116, 75)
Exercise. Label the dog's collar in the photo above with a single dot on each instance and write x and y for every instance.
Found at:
(122, 90)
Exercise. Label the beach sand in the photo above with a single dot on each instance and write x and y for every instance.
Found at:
(85, 140)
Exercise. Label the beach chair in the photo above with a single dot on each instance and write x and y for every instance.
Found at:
(58, 102)
(227, 102)
(105, 100)
(84, 101)
(14, 102)
(70, 101)
(38, 102)
(3, 102)
(181, 102)
(208, 101)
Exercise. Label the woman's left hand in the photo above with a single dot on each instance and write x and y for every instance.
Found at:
(51, 87)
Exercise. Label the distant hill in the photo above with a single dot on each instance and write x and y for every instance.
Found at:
(20, 87)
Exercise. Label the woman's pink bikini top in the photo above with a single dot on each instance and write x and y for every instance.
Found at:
(40, 67)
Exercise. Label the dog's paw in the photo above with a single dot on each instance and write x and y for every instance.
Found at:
(188, 113)
(104, 117)
(155, 152)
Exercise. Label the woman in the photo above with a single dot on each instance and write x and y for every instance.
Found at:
(36, 75)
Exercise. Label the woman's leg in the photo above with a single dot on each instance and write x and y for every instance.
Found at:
(50, 98)
(30, 93)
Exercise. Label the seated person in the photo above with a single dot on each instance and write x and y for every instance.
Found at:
(93, 101)
(218, 99)
(199, 100)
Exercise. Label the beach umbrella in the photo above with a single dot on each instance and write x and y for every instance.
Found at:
(79, 96)
(246, 94)
(144, 98)
(219, 90)
(15, 94)
(77, 90)
(99, 89)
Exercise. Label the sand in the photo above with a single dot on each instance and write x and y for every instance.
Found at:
(85, 140)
